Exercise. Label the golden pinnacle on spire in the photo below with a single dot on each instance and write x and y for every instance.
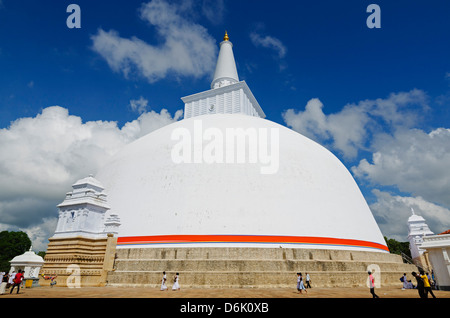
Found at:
(226, 38)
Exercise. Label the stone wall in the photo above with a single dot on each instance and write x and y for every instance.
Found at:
(78, 261)
(253, 267)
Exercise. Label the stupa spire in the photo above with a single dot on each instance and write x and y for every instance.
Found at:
(227, 95)
(226, 72)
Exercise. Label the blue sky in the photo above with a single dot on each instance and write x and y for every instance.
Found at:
(391, 85)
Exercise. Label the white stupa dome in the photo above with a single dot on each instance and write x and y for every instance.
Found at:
(288, 191)
(310, 201)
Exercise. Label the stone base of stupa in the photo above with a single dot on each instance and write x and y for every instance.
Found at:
(78, 261)
(253, 267)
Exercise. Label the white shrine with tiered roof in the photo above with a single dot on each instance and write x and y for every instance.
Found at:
(418, 228)
(83, 211)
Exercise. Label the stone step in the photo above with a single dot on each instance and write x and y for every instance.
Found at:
(253, 267)
(266, 279)
(253, 253)
(248, 265)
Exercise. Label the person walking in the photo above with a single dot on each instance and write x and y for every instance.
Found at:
(426, 284)
(372, 285)
(11, 278)
(434, 279)
(431, 280)
(420, 285)
(300, 284)
(163, 282)
(4, 282)
(17, 281)
(308, 281)
(176, 283)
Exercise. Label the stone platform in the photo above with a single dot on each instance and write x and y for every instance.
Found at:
(78, 260)
(253, 267)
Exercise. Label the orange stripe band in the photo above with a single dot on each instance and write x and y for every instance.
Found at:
(180, 239)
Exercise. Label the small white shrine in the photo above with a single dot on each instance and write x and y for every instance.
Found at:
(418, 228)
(31, 264)
(85, 236)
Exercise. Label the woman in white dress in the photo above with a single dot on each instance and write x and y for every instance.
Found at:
(11, 278)
(3, 283)
(301, 285)
(176, 284)
(163, 282)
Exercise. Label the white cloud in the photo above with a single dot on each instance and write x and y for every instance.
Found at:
(411, 160)
(213, 10)
(345, 129)
(414, 161)
(350, 129)
(269, 42)
(187, 48)
(392, 212)
(139, 105)
(42, 156)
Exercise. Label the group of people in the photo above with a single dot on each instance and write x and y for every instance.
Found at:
(301, 286)
(11, 280)
(176, 282)
(425, 283)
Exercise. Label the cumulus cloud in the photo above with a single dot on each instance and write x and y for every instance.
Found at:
(348, 130)
(187, 48)
(269, 42)
(401, 157)
(392, 212)
(414, 161)
(213, 10)
(139, 105)
(43, 156)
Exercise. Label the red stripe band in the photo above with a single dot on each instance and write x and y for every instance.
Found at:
(180, 239)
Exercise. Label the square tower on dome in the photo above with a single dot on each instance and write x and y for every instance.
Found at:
(227, 95)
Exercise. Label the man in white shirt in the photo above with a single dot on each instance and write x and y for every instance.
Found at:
(308, 281)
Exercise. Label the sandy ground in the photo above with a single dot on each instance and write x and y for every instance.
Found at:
(321, 302)
(140, 292)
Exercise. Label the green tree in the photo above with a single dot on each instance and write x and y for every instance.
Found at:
(396, 247)
(11, 245)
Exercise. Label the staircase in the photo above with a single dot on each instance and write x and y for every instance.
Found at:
(253, 267)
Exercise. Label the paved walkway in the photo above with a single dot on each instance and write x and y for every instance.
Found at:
(141, 292)
(110, 301)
